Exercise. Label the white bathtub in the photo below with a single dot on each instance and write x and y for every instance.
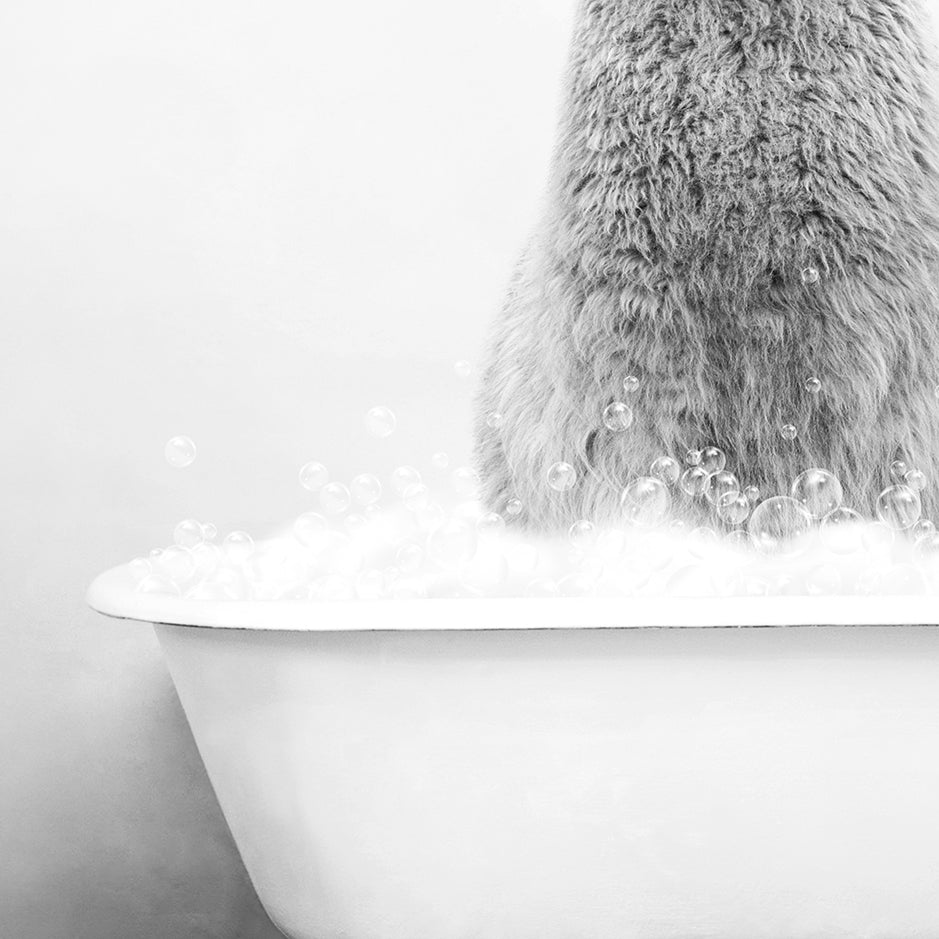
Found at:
(550, 769)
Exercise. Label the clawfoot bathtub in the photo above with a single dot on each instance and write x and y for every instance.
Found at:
(556, 769)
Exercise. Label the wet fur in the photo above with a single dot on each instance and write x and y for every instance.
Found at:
(708, 151)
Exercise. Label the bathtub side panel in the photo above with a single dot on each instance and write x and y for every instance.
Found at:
(576, 784)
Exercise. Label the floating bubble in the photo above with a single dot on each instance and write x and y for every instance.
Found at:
(692, 457)
(810, 276)
(416, 497)
(582, 533)
(788, 431)
(733, 508)
(453, 542)
(713, 459)
(440, 460)
(818, 492)
(465, 482)
(630, 384)
(463, 368)
(209, 531)
(813, 386)
(922, 528)
(915, 479)
(380, 421)
(898, 470)
(335, 498)
(561, 476)
(311, 529)
(313, 476)
(490, 523)
(238, 546)
(776, 524)
(494, 420)
(188, 533)
(720, 484)
(180, 451)
(645, 501)
(694, 481)
(841, 531)
(753, 494)
(618, 417)
(666, 469)
(899, 507)
(365, 489)
(404, 477)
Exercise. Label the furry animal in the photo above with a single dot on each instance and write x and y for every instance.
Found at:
(709, 152)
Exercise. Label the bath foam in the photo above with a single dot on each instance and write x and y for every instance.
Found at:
(395, 554)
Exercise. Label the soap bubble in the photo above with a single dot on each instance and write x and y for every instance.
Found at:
(713, 459)
(788, 431)
(180, 451)
(440, 460)
(465, 482)
(463, 368)
(618, 416)
(810, 276)
(209, 531)
(380, 421)
(753, 494)
(416, 497)
(630, 384)
(490, 523)
(719, 485)
(733, 508)
(841, 531)
(177, 563)
(898, 507)
(514, 507)
(453, 542)
(694, 481)
(561, 476)
(922, 528)
(818, 491)
(335, 498)
(813, 386)
(366, 489)
(188, 533)
(354, 522)
(582, 533)
(313, 476)
(666, 469)
(403, 478)
(776, 523)
(494, 420)
(645, 501)
(692, 457)
(898, 470)
(915, 479)
(238, 546)
(310, 529)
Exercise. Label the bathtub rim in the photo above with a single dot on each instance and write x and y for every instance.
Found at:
(113, 594)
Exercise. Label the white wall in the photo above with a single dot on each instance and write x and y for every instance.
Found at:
(247, 222)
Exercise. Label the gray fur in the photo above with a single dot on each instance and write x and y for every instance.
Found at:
(709, 150)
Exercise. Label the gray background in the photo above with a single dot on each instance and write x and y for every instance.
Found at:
(247, 222)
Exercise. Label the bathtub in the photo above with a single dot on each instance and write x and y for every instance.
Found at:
(569, 769)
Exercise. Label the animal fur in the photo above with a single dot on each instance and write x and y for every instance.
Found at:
(709, 150)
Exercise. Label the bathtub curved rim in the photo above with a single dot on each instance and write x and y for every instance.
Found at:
(113, 594)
